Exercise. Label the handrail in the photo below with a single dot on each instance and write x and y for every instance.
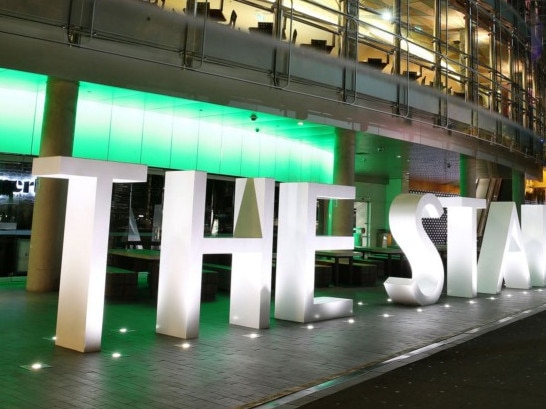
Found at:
(206, 59)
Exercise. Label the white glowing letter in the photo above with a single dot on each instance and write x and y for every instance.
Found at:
(462, 256)
(183, 246)
(250, 295)
(85, 246)
(502, 254)
(427, 270)
(296, 246)
(533, 228)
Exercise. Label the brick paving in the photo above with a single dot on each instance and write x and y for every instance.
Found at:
(225, 367)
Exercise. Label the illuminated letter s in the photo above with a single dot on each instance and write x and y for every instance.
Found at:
(425, 286)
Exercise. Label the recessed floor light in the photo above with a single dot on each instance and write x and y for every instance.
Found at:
(36, 366)
(115, 354)
(122, 330)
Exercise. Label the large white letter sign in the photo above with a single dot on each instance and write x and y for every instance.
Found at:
(180, 265)
(427, 269)
(85, 246)
(502, 254)
(250, 295)
(183, 246)
(462, 255)
(533, 228)
(296, 245)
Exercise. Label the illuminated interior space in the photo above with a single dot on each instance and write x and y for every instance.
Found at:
(484, 60)
(465, 87)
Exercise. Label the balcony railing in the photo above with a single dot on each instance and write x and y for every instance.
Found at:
(130, 29)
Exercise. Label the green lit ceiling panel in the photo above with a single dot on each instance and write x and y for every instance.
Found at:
(166, 132)
(184, 143)
(156, 139)
(125, 144)
(250, 157)
(93, 131)
(282, 164)
(209, 146)
(21, 99)
(268, 157)
(231, 153)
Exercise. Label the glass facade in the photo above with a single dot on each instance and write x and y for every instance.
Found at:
(485, 52)
(484, 57)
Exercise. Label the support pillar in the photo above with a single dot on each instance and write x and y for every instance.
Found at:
(344, 174)
(395, 187)
(467, 176)
(46, 242)
(518, 189)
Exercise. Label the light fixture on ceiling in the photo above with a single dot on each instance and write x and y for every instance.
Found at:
(386, 15)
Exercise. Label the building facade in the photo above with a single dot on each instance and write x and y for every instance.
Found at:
(390, 96)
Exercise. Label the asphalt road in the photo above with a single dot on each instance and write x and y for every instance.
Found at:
(504, 368)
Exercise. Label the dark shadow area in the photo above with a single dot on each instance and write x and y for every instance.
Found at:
(504, 368)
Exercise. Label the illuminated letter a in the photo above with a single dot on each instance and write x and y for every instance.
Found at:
(502, 253)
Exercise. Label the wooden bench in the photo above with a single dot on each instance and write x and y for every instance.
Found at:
(121, 284)
(209, 285)
(380, 265)
(323, 276)
(223, 275)
(364, 274)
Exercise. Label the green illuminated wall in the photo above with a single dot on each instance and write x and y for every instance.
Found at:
(159, 131)
(21, 107)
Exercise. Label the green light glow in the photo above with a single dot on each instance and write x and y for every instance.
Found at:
(93, 131)
(160, 131)
(21, 98)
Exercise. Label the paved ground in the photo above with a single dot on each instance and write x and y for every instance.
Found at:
(505, 368)
(287, 365)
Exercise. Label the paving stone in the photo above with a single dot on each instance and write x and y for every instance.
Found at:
(223, 368)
